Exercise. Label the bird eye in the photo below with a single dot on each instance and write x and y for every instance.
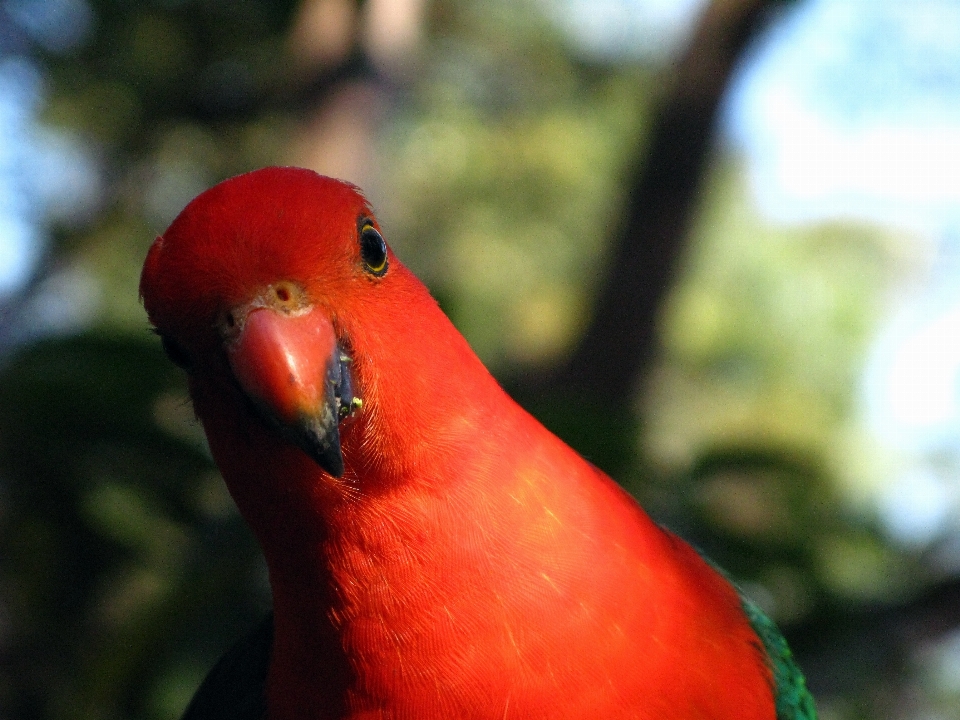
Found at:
(178, 356)
(373, 250)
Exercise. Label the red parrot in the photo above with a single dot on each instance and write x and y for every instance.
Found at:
(434, 552)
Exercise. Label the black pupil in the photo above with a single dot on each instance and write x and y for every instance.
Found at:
(373, 249)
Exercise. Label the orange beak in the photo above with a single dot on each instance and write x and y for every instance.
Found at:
(291, 368)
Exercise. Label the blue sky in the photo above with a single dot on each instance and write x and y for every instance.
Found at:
(43, 173)
(19, 235)
(851, 108)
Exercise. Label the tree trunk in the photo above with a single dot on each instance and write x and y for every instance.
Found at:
(620, 341)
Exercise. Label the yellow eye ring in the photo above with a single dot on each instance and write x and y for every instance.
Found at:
(373, 250)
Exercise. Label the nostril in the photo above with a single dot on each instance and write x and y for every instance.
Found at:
(283, 294)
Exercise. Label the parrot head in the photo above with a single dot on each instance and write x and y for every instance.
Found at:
(257, 289)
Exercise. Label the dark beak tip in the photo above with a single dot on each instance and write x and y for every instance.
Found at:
(321, 442)
(331, 461)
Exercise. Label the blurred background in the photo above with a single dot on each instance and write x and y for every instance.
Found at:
(714, 244)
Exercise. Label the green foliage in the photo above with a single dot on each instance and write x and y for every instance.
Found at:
(167, 98)
(765, 335)
(506, 163)
(127, 568)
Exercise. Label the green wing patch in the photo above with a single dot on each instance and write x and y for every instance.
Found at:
(793, 700)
